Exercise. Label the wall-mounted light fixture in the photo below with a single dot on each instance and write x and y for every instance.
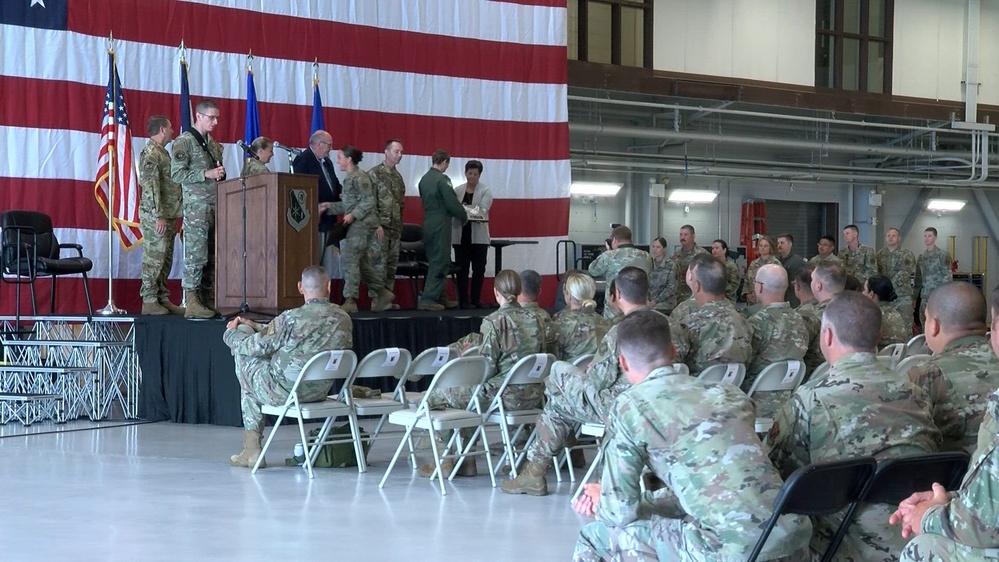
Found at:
(692, 196)
(945, 205)
(594, 188)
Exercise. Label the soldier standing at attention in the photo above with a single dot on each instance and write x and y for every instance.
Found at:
(391, 198)
(791, 262)
(159, 209)
(716, 332)
(686, 252)
(620, 253)
(361, 249)
(827, 251)
(932, 270)
(439, 207)
(899, 265)
(858, 259)
(960, 526)
(263, 354)
(859, 408)
(688, 433)
(197, 166)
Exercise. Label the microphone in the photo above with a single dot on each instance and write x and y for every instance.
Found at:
(295, 151)
(242, 145)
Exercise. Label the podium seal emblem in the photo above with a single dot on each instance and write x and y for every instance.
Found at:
(298, 213)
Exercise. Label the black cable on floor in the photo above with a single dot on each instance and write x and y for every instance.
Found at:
(127, 424)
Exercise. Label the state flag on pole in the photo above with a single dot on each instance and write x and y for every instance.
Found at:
(185, 99)
(317, 109)
(251, 129)
(116, 154)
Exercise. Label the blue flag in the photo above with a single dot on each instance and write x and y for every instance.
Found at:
(252, 129)
(317, 110)
(185, 99)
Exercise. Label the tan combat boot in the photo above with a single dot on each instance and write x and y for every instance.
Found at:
(153, 308)
(383, 302)
(208, 299)
(427, 305)
(251, 451)
(447, 466)
(448, 303)
(349, 306)
(530, 481)
(194, 307)
(172, 308)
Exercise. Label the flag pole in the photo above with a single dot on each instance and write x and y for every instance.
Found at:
(110, 309)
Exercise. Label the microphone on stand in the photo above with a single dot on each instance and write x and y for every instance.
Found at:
(245, 148)
(295, 151)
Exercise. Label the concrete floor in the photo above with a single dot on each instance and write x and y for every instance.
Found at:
(165, 491)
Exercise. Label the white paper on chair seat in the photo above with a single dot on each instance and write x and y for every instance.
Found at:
(443, 354)
(539, 366)
(391, 357)
(335, 358)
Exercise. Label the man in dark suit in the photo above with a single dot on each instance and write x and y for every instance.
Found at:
(315, 160)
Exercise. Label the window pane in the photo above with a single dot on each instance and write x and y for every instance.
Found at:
(851, 16)
(824, 55)
(876, 67)
(878, 19)
(851, 64)
(825, 14)
(599, 36)
(573, 21)
(632, 34)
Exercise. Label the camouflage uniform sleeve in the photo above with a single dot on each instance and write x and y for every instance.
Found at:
(180, 163)
(149, 180)
(624, 459)
(599, 266)
(733, 279)
(870, 265)
(491, 348)
(934, 384)
(261, 344)
(384, 196)
(602, 372)
(760, 333)
(789, 440)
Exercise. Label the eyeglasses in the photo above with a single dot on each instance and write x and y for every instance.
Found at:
(209, 117)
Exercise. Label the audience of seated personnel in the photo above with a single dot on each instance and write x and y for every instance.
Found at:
(699, 437)
(716, 332)
(577, 328)
(960, 526)
(860, 408)
(963, 370)
(880, 290)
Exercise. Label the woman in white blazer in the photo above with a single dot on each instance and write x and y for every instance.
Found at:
(471, 241)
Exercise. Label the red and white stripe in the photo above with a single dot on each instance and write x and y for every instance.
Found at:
(116, 154)
(482, 79)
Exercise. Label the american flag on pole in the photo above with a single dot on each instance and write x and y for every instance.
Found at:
(482, 79)
(116, 157)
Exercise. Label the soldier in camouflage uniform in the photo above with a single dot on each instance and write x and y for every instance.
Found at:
(685, 308)
(860, 408)
(159, 208)
(361, 250)
(263, 354)
(962, 371)
(779, 334)
(620, 253)
(261, 152)
(719, 250)
(828, 280)
(197, 166)
(577, 328)
(880, 290)
(932, 270)
(765, 246)
(858, 259)
(688, 433)
(391, 197)
(899, 265)
(508, 335)
(827, 251)
(663, 278)
(716, 333)
(530, 281)
(574, 396)
(682, 256)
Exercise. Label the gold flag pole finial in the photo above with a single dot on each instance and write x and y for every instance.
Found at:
(249, 62)
(315, 72)
(110, 43)
(183, 52)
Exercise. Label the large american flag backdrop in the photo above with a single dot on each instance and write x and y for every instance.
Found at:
(482, 79)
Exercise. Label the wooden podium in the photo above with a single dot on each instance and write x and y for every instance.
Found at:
(281, 239)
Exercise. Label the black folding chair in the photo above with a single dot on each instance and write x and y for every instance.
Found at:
(819, 489)
(897, 479)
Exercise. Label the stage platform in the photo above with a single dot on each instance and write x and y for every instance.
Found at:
(188, 372)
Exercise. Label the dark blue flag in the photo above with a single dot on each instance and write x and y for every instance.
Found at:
(185, 99)
(252, 128)
(317, 109)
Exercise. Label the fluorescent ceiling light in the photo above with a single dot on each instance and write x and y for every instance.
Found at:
(692, 196)
(594, 188)
(945, 205)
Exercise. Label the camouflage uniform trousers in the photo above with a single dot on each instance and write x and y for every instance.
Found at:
(570, 401)
(258, 385)
(199, 246)
(904, 306)
(390, 259)
(361, 259)
(157, 257)
(648, 540)
(929, 547)
(515, 397)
